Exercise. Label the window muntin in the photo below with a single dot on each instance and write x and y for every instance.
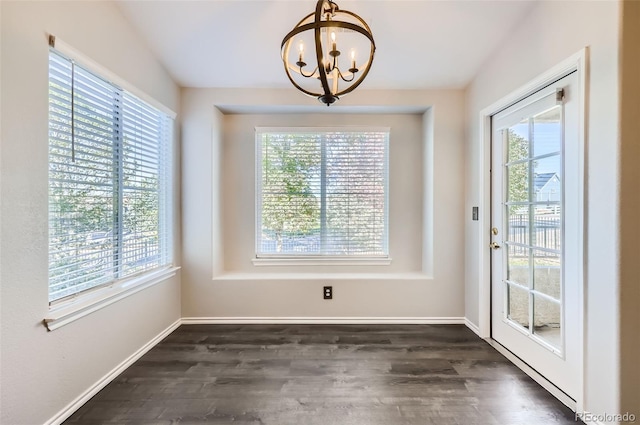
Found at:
(322, 192)
(109, 175)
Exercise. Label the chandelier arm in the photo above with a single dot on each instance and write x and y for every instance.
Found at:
(353, 86)
(310, 75)
(303, 90)
(353, 75)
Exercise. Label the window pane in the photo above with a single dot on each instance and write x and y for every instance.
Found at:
(547, 273)
(81, 174)
(547, 230)
(518, 223)
(518, 181)
(355, 182)
(322, 193)
(547, 320)
(547, 131)
(518, 265)
(518, 307)
(290, 208)
(518, 141)
(142, 161)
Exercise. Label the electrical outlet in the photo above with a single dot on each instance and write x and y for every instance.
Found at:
(327, 292)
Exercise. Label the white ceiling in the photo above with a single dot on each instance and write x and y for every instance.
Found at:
(420, 44)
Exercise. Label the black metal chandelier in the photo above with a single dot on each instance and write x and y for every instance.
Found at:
(325, 29)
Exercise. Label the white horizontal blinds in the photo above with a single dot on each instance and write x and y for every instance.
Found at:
(81, 196)
(290, 198)
(356, 173)
(104, 181)
(144, 144)
(322, 193)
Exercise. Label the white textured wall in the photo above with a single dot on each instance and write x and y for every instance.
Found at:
(42, 372)
(550, 33)
(219, 279)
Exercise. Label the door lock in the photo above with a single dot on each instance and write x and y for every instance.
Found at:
(494, 245)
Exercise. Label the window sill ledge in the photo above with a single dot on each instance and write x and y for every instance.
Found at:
(319, 261)
(69, 311)
(330, 277)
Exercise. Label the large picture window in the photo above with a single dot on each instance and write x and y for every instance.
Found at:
(109, 182)
(322, 192)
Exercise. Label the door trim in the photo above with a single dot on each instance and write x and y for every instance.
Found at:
(577, 62)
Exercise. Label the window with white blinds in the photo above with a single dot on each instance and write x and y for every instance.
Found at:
(109, 182)
(322, 192)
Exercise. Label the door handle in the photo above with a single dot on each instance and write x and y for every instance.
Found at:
(494, 245)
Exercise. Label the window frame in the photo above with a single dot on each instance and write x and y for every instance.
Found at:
(71, 307)
(288, 259)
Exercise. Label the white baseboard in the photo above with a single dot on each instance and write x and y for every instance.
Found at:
(533, 374)
(325, 320)
(472, 326)
(62, 415)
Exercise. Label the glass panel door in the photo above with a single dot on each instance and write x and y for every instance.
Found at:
(536, 232)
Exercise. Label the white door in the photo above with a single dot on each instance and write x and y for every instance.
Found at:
(536, 232)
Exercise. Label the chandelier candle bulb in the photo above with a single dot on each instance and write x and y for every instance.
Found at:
(322, 25)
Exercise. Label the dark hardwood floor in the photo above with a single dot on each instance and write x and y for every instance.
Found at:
(323, 375)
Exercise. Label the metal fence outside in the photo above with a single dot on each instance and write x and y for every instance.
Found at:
(544, 232)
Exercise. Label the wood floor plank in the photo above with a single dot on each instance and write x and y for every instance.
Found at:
(324, 375)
